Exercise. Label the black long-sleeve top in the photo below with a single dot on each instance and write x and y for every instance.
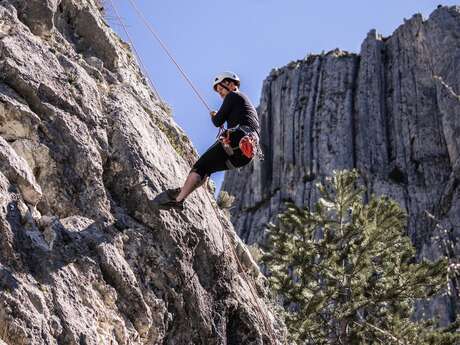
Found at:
(237, 109)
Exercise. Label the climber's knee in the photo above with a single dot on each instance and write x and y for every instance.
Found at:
(200, 171)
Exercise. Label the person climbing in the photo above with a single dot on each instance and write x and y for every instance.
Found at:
(235, 146)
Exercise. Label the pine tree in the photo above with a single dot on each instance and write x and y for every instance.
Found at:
(347, 273)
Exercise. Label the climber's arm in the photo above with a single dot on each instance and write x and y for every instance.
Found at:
(221, 116)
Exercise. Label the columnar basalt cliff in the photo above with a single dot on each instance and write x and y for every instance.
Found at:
(84, 148)
(393, 112)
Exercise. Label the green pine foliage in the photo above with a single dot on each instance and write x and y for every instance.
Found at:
(347, 274)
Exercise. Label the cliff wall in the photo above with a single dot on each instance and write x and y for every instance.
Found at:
(393, 112)
(84, 147)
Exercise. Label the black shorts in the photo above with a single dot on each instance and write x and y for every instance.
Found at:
(216, 159)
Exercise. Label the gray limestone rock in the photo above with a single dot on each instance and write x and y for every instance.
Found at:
(17, 171)
(38, 15)
(85, 146)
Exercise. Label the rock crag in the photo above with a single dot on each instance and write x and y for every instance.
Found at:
(84, 147)
(393, 112)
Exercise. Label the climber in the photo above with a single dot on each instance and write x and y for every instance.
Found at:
(235, 146)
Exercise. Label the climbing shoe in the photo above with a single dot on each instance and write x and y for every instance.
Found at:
(167, 199)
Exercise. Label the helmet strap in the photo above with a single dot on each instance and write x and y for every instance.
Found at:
(224, 86)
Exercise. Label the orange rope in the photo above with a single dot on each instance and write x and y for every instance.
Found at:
(153, 32)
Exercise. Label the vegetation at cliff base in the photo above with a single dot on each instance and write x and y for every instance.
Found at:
(347, 273)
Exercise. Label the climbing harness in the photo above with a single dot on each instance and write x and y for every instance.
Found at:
(248, 144)
(226, 142)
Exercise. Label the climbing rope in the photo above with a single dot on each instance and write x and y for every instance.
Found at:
(138, 57)
(165, 48)
(246, 278)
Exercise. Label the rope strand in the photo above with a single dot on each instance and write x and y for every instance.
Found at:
(138, 57)
(165, 48)
(246, 278)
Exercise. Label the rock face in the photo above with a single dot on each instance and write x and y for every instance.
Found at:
(84, 147)
(393, 112)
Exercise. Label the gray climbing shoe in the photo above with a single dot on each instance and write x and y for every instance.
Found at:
(167, 199)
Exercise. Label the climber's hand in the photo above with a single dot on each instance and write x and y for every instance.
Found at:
(213, 113)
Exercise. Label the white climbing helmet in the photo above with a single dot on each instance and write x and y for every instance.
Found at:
(225, 75)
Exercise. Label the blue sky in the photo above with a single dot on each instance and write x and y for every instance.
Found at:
(249, 37)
